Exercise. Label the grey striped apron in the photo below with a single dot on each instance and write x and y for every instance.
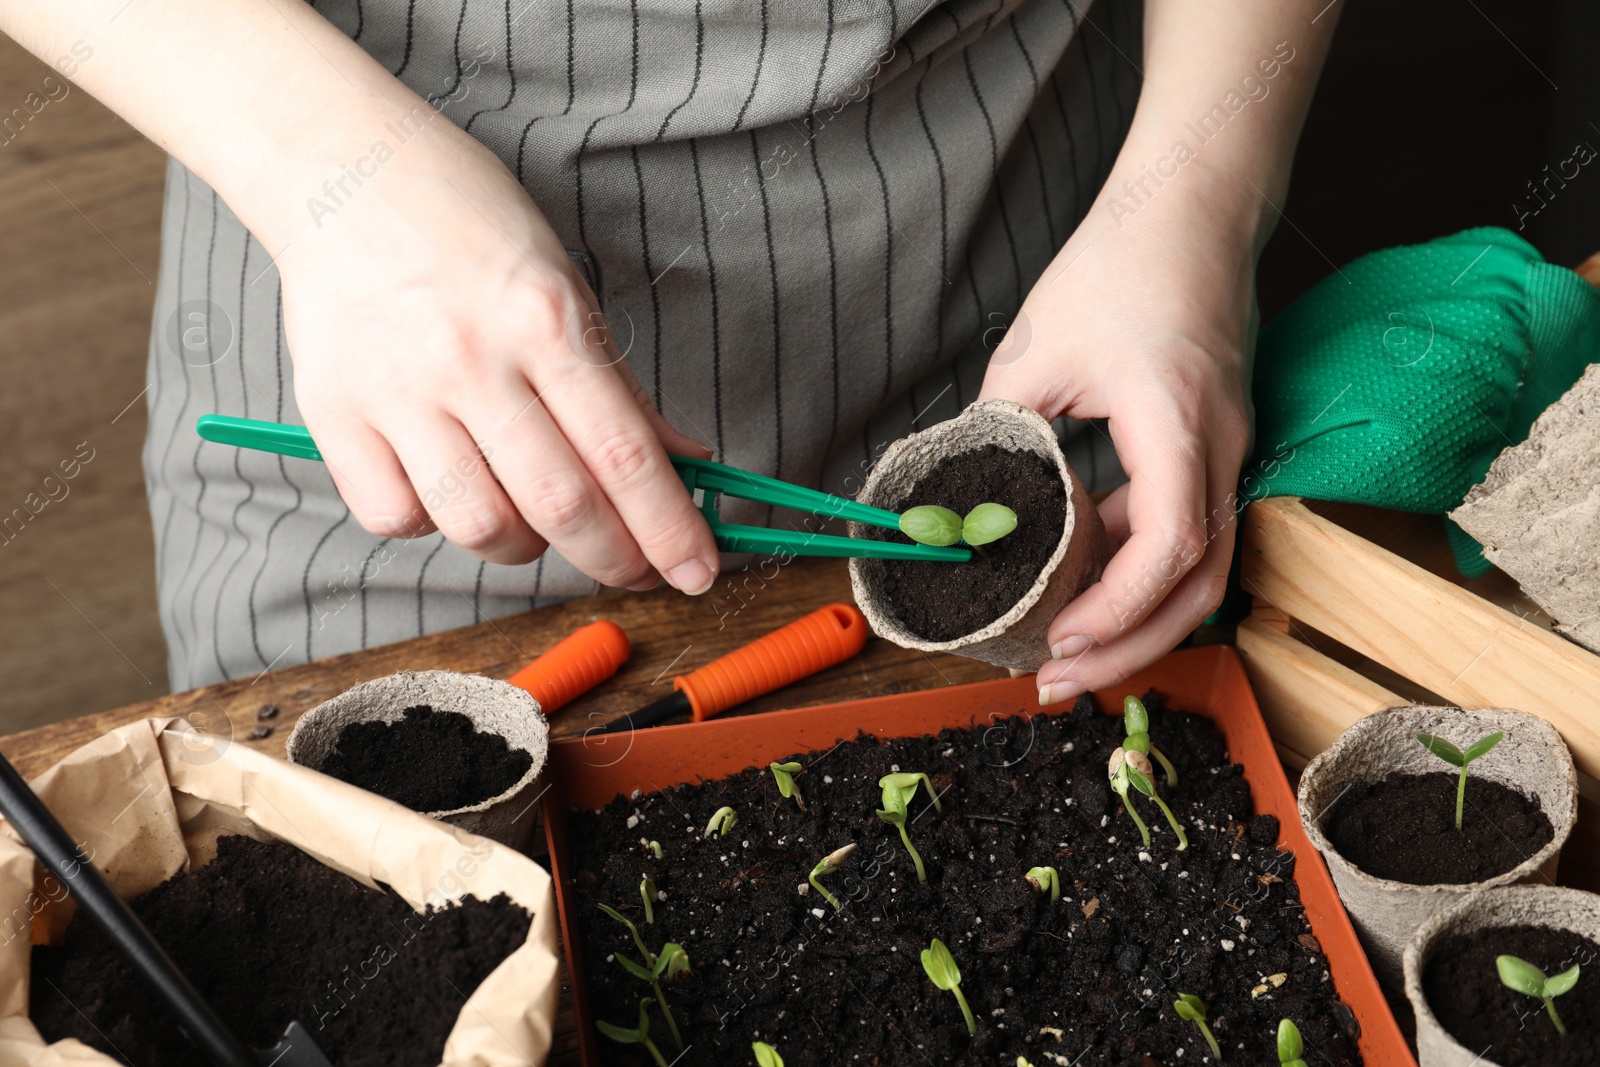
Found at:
(808, 222)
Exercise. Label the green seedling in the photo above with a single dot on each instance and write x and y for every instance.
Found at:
(1191, 1008)
(722, 822)
(655, 849)
(1523, 977)
(1131, 767)
(640, 1036)
(1136, 724)
(942, 969)
(670, 963)
(784, 773)
(830, 863)
(648, 893)
(898, 789)
(1457, 758)
(766, 1055)
(1291, 1049)
(933, 525)
(1045, 880)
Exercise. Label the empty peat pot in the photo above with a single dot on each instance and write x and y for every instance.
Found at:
(1016, 639)
(1513, 1029)
(1532, 760)
(493, 706)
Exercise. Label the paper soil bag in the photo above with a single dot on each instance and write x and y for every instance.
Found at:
(152, 798)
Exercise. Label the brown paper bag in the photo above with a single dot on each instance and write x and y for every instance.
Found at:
(152, 798)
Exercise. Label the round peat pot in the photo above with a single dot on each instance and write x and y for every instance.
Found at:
(1017, 638)
(1549, 907)
(493, 706)
(1531, 760)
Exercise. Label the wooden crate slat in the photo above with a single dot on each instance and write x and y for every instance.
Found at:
(1440, 636)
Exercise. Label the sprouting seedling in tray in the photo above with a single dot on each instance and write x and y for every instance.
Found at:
(766, 1055)
(1291, 1049)
(651, 896)
(638, 1036)
(1129, 767)
(670, 963)
(1191, 1008)
(942, 969)
(784, 774)
(1045, 880)
(1457, 758)
(1136, 724)
(930, 524)
(830, 863)
(723, 820)
(1523, 977)
(898, 790)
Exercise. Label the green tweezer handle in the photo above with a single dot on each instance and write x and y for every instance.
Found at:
(712, 479)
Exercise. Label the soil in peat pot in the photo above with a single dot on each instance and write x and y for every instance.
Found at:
(429, 761)
(1087, 980)
(1403, 828)
(1509, 1028)
(267, 934)
(944, 601)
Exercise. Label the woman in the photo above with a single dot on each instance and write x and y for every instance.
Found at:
(502, 256)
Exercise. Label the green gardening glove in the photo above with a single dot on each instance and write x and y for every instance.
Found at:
(1397, 380)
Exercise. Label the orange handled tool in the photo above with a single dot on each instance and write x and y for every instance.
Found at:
(578, 662)
(817, 641)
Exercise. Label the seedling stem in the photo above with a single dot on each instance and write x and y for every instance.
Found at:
(830, 863)
(1523, 977)
(1457, 758)
(942, 969)
(1192, 1009)
(722, 822)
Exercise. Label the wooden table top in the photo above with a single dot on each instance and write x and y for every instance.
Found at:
(670, 634)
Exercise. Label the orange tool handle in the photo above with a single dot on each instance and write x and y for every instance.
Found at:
(827, 636)
(578, 662)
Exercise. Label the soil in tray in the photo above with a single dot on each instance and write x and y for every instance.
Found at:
(1089, 979)
(1464, 991)
(429, 760)
(943, 601)
(1403, 828)
(268, 935)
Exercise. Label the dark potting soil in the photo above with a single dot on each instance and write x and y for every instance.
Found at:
(1404, 828)
(429, 761)
(1509, 1028)
(944, 601)
(1089, 979)
(269, 935)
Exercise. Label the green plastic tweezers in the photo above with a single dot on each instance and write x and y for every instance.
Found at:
(712, 480)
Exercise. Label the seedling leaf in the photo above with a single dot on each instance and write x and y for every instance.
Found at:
(1443, 749)
(1135, 717)
(1558, 984)
(634, 969)
(1045, 880)
(648, 894)
(1290, 1045)
(784, 774)
(641, 1036)
(1520, 975)
(722, 822)
(986, 523)
(766, 1055)
(943, 972)
(930, 524)
(1483, 746)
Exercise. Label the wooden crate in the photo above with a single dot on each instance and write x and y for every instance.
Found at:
(1358, 609)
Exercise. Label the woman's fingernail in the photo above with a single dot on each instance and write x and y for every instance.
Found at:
(692, 577)
(1070, 647)
(1056, 692)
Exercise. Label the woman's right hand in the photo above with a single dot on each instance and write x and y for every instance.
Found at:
(435, 321)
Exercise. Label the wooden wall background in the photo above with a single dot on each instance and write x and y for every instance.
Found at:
(80, 203)
(1432, 115)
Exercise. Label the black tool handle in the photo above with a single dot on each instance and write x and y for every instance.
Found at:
(44, 834)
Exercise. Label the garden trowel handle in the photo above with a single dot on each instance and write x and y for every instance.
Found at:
(32, 820)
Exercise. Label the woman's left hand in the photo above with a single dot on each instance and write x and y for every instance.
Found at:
(1147, 318)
